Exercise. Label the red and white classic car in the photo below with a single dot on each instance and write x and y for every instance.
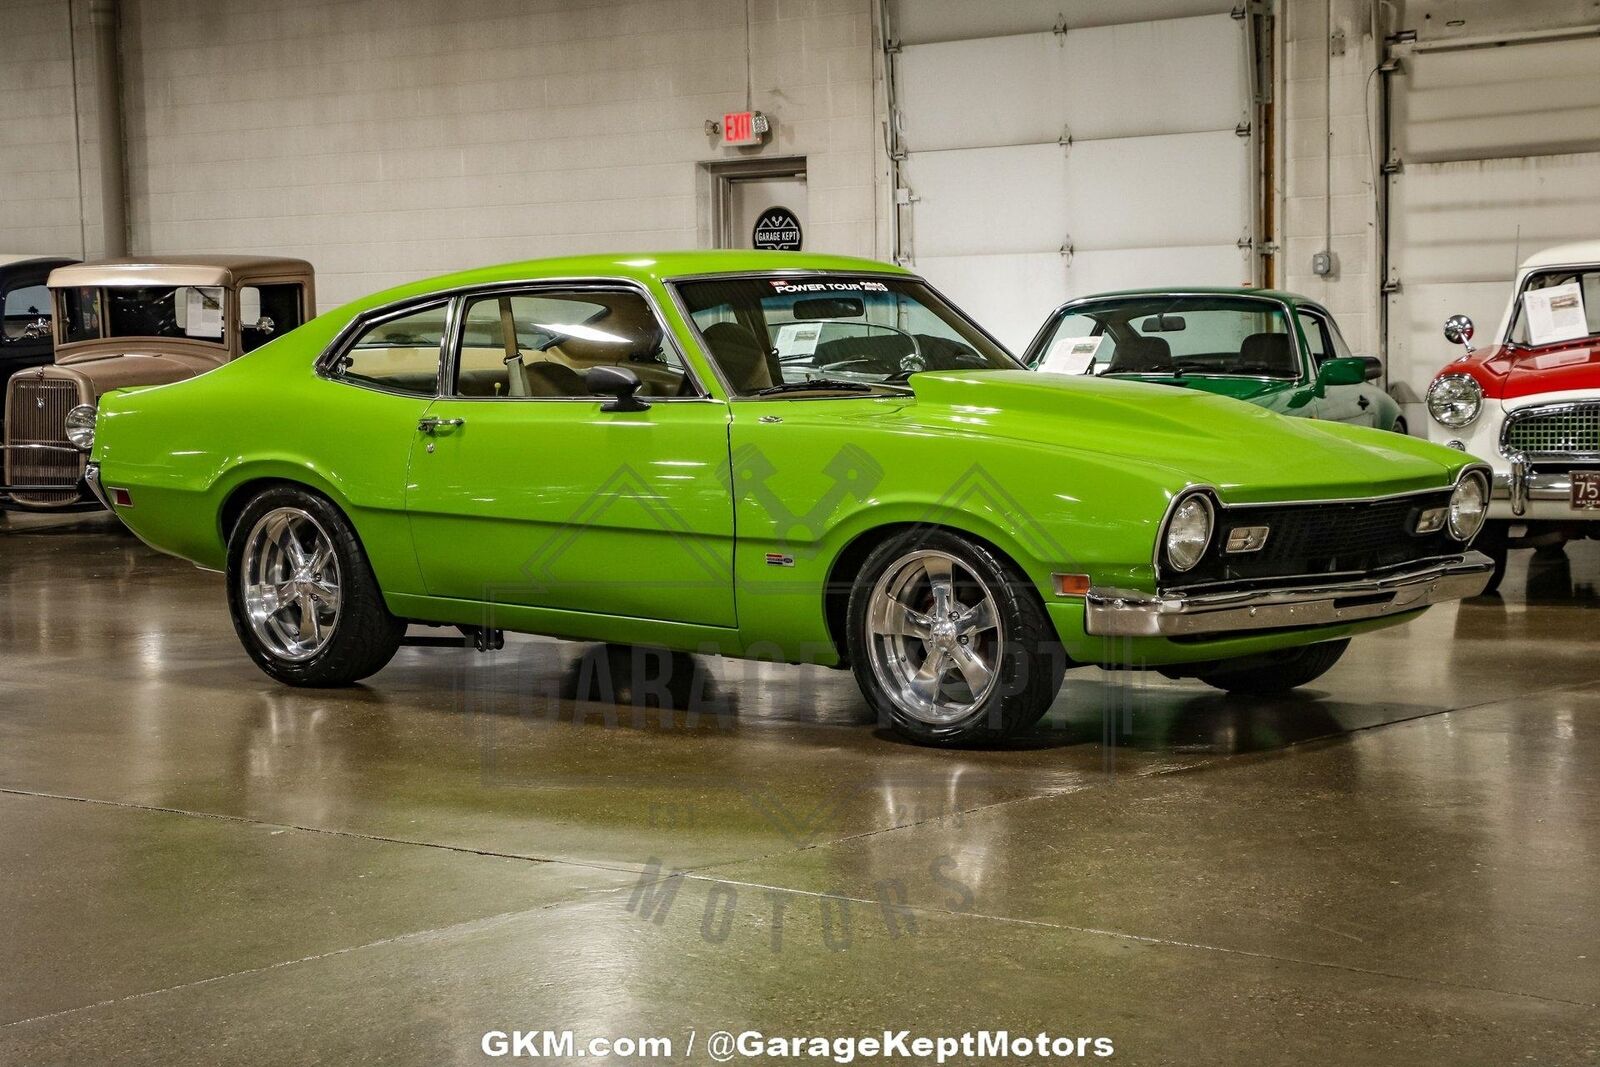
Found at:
(1529, 403)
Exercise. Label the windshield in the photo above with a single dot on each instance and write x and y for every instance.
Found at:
(27, 314)
(1556, 306)
(1164, 336)
(193, 312)
(843, 333)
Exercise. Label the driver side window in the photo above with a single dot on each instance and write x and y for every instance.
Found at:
(539, 344)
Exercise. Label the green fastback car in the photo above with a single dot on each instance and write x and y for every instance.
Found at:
(1279, 350)
(786, 456)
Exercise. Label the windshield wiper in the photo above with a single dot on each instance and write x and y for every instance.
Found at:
(816, 385)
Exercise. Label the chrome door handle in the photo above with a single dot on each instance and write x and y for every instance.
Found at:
(431, 423)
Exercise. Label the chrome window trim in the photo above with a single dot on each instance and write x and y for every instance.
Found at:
(359, 325)
(597, 285)
(455, 295)
(671, 285)
(1301, 355)
(1534, 411)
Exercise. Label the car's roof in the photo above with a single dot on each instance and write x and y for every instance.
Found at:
(637, 266)
(11, 259)
(176, 270)
(1203, 290)
(1576, 252)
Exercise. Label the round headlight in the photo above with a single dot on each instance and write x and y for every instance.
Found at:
(1469, 505)
(1455, 399)
(80, 427)
(1188, 532)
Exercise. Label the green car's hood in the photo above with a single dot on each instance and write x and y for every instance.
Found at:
(1246, 452)
(1255, 390)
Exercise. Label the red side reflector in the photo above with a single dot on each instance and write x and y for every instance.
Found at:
(1070, 584)
(121, 498)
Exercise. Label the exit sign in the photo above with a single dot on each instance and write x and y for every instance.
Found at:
(743, 128)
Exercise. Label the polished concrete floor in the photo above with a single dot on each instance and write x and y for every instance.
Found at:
(1398, 866)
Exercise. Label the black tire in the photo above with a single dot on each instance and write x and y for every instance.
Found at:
(1027, 658)
(1400, 427)
(1493, 541)
(365, 636)
(1278, 673)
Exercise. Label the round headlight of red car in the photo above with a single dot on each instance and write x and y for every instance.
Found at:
(1455, 400)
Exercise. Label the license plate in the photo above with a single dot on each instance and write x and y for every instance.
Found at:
(1586, 490)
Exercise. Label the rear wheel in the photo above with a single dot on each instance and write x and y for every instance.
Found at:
(1400, 427)
(1278, 673)
(949, 643)
(303, 598)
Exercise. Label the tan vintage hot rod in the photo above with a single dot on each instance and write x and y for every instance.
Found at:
(126, 322)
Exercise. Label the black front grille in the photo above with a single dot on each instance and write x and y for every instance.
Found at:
(1316, 539)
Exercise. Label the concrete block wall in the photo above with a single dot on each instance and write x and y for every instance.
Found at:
(386, 140)
(39, 206)
(1322, 92)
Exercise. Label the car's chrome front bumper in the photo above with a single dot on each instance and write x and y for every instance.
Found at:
(1526, 488)
(1119, 613)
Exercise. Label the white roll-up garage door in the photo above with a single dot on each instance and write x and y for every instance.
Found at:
(1498, 150)
(1074, 158)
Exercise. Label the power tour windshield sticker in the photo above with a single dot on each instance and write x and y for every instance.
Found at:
(780, 285)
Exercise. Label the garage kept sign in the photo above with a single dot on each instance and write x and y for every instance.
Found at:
(777, 230)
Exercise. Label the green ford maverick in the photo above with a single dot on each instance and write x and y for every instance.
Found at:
(1276, 349)
(783, 456)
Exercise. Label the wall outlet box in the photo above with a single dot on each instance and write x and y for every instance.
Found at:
(1323, 264)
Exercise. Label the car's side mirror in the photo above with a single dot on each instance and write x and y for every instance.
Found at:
(1347, 371)
(619, 382)
(1374, 367)
(1458, 331)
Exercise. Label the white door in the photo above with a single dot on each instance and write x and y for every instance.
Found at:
(1048, 156)
(758, 212)
(1499, 156)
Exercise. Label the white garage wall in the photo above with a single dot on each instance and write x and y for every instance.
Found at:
(386, 140)
(1324, 105)
(1073, 158)
(38, 165)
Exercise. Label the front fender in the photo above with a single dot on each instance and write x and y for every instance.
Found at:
(807, 494)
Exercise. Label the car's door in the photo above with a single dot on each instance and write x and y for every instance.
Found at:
(1355, 404)
(526, 489)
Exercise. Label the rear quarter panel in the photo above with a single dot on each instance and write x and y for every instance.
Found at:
(185, 450)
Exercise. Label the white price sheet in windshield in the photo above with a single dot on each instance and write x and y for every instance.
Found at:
(1555, 314)
(1071, 355)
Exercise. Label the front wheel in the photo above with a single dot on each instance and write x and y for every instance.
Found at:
(1278, 673)
(949, 643)
(1494, 542)
(303, 597)
(1400, 427)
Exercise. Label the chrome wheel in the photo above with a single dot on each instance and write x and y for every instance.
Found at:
(934, 637)
(290, 583)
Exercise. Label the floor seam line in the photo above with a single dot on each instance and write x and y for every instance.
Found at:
(447, 930)
(156, 809)
(1148, 939)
